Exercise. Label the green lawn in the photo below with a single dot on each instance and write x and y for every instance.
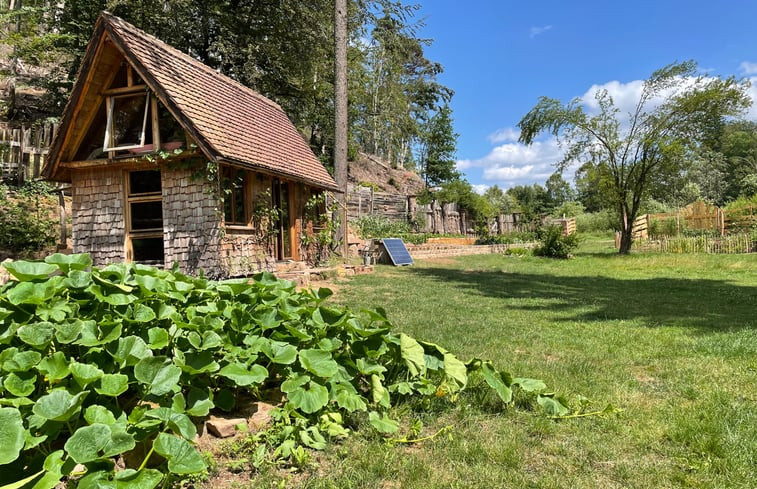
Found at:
(669, 339)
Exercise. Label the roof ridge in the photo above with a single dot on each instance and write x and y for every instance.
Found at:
(120, 23)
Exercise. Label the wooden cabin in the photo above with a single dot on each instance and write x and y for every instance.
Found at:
(171, 162)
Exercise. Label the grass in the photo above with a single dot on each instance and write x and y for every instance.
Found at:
(669, 339)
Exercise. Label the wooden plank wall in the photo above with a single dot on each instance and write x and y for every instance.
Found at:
(23, 150)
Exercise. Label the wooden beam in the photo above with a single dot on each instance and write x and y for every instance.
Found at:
(124, 90)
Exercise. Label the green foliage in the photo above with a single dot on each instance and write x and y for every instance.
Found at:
(553, 244)
(438, 148)
(24, 223)
(318, 237)
(677, 112)
(509, 238)
(378, 226)
(596, 222)
(97, 361)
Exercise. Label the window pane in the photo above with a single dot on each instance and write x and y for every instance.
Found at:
(144, 182)
(234, 196)
(146, 215)
(128, 120)
(148, 250)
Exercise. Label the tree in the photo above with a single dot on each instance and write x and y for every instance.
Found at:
(559, 190)
(438, 149)
(677, 111)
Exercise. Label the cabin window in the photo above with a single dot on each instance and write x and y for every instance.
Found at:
(235, 184)
(127, 125)
(145, 217)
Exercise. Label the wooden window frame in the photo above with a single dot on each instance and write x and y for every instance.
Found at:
(131, 198)
(108, 143)
(246, 223)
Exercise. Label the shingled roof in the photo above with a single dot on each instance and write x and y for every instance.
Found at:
(229, 121)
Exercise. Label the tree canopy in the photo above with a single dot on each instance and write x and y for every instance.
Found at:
(677, 112)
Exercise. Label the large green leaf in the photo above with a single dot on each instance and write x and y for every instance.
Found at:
(78, 261)
(129, 351)
(305, 394)
(412, 353)
(143, 313)
(27, 270)
(181, 455)
(84, 373)
(456, 370)
(530, 385)
(318, 362)
(382, 423)
(59, 405)
(113, 385)
(552, 406)
(159, 374)
(97, 441)
(142, 479)
(31, 292)
(199, 402)
(498, 382)
(179, 423)
(20, 384)
(243, 376)
(280, 352)
(347, 398)
(14, 360)
(11, 435)
(37, 335)
(54, 367)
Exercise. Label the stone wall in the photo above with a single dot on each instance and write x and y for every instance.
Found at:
(192, 213)
(98, 214)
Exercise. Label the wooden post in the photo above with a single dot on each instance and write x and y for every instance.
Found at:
(63, 230)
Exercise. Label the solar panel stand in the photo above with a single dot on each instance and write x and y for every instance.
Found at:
(397, 252)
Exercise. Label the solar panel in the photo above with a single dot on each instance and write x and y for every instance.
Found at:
(395, 247)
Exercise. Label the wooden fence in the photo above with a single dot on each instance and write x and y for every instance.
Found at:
(23, 151)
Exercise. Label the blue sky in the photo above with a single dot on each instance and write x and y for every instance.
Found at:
(500, 56)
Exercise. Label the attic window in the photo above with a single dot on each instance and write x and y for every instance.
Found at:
(127, 118)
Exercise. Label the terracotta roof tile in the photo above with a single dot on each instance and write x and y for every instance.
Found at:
(236, 123)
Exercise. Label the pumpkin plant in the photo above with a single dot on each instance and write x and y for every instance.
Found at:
(125, 361)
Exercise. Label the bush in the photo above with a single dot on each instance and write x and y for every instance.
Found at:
(517, 251)
(553, 244)
(509, 238)
(380, 227)
(25, 225)
(100, 362)
(596, 222)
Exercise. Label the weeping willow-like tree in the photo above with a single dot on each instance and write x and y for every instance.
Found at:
(676, 111)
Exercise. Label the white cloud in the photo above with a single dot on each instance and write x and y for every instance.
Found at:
(748, 68)
(512, 163)
(535, 31)
(480, 189)
(517, 164)
(507, 134)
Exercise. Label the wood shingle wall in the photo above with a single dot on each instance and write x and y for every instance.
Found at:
(191, 222)
(98, 214)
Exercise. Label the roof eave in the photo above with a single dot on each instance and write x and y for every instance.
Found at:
(281, 174)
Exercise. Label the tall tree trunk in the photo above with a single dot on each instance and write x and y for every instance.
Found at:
(626, 231)
(340, 108)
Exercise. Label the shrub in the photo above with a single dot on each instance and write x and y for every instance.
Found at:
(596, 222)
(517, 251)
(509, 238)
(553, 244)
(380, 227)
(98, 362)
(25, 225)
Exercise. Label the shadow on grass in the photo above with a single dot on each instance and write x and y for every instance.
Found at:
(710, 305)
